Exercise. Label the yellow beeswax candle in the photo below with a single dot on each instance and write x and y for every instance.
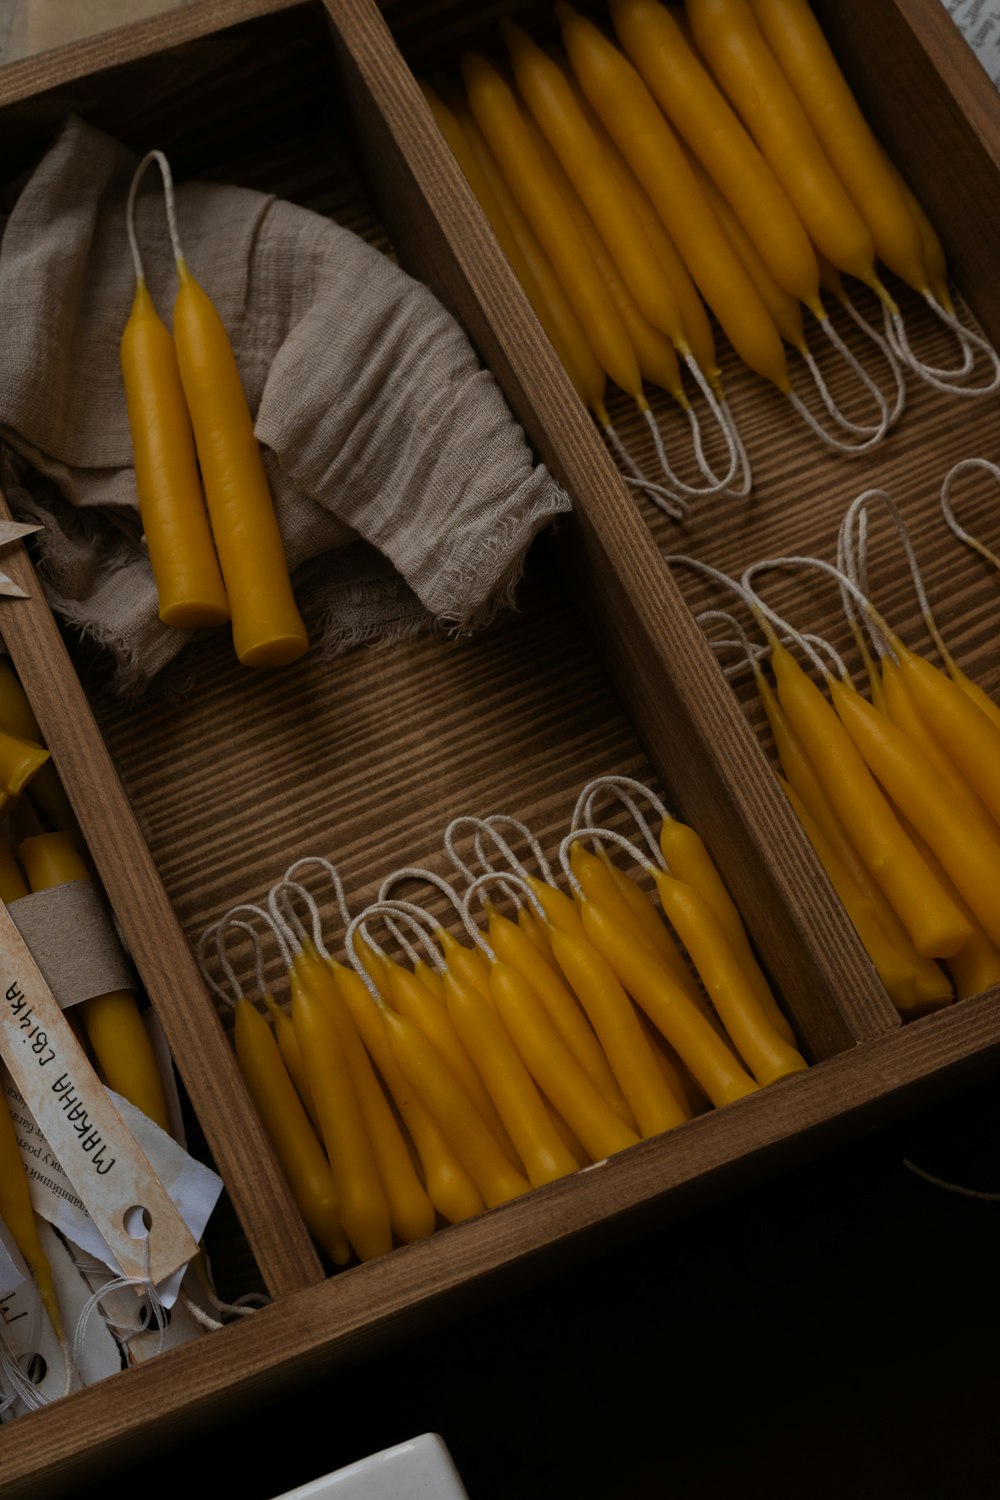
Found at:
(935, 925)
(189, 585)
(267, 628)
(449, 1187)
(554, 1067)
(364, 1211)
(711, 1062)
(113, 1022)
(17, 718)
(520, 1105)
(289, 1130)
(410, 1210)
(610, 1012)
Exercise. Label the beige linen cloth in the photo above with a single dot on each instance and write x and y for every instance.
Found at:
(406, 493)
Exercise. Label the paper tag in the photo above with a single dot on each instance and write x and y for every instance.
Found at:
(979, 23)
(97, 1356)
(85, 1131)
(26, 1330)
(135, 1323)
(194, 1189)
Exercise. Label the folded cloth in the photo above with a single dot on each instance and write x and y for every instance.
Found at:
(405, 491)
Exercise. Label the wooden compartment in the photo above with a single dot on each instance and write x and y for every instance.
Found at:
(366, 758)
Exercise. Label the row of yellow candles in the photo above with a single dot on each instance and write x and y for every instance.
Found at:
(772, 186)
(899, 795)
(398, 1096)
(211, 531)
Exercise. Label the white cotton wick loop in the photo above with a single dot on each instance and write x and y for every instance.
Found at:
(331, 870)
(889, 412)
(751, 651)
(739, 463)
(275, 928)
(476, 889)
(682, 559)
(959, 470)
(418, 920)
(780, 623)
(168, 196)
(597, 835)
(284, 919)
(885, 349)
(287, 890)
(200, 953)
(426, 877)
(859, 510)
(505, 820)
(453, 830)
(621, 788)
(672, 505)
(945, 379)
(236, 987)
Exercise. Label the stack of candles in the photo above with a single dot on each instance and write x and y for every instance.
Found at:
(898, 792)
(711, 152)
(405, 1093)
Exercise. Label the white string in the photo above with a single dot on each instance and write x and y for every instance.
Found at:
(476, 889)
(674, 506)
(332, 872)
(532, 842)
(964, 466)
(420, 921)
(289, 888)
(777, 620)
(860, 507)
(950, 1187)
(944, 379)
(413, 872)
(739, 463)
(597, 834)
(117, 1284)
(621, 786)
(168, 196)
(885, 349)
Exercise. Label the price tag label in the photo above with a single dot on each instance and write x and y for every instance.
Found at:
(126, 1200)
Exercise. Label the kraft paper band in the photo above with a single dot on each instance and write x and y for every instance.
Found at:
(72, 939)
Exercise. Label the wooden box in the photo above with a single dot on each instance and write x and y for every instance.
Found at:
(192, 804)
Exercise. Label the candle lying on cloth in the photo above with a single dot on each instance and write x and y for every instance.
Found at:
(387, 448)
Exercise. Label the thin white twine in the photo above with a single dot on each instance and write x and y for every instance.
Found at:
(621, 787)
(950, 1187)
(273, 924)
(478, 826)
(768, 564)
(697, 566)
(23, 1388)
(335, 880)
(287, 889)
(119, 1284)
(966, 466)
(426, 877)
(596, 834)
(858, 573)
(168, 197)
(870, 433)
(238, 990)
(739, 463)
(494, 820)
(751, 651)
(892, 409)
(406, 911)
(477, 888)
(887, 351)
(672, 505)
(945, 379)
(419, 921)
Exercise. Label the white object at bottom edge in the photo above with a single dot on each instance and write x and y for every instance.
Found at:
(421, 1469)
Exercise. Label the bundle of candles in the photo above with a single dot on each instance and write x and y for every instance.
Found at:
(41, 851)
(405, 1093)
(898, 792)
(712, 152)
(209, 521)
